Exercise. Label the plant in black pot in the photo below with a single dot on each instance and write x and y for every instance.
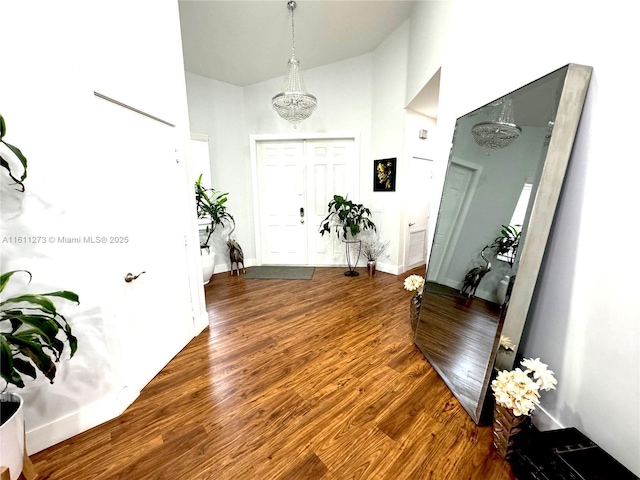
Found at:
(348, 219)
(212, 208)
(33, 337)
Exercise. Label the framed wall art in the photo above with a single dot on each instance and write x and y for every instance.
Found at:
(384, 175)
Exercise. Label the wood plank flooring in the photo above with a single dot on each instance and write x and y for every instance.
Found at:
(296, 380)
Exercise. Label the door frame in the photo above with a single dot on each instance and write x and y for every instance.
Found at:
(253, 150)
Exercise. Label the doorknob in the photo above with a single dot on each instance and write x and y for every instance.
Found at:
(130, 277)
(301, 215)
(411, 224)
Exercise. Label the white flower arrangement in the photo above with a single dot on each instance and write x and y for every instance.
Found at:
(372, 248)
(414, 283)
(519, 390)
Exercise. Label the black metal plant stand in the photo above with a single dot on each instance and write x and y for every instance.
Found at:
(352, 268)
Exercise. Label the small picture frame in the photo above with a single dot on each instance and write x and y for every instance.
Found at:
(384, 175)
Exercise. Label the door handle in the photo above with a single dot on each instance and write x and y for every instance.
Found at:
(130, 277)
(301, 215)
(411, 224)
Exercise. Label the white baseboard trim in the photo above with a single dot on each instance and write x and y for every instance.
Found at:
(202, 323)
(224, 267)
(90, 416)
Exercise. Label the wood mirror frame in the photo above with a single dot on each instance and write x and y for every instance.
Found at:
(451, 344)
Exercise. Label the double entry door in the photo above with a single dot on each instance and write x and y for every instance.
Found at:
(296, 181)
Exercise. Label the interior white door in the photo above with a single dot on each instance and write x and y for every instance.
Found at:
(458, 192)
(420, 191)
(296, 181)
(139, 188)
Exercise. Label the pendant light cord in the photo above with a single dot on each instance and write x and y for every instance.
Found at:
(293, 36)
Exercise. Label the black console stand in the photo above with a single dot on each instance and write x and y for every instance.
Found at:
(564, 454)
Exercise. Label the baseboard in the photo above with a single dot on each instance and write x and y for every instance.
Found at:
(224, 267)
(89, 417)
(388, 268)
(202, 323)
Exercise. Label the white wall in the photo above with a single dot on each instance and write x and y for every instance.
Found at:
(387, 141)
(217, 110)
(429, 28)
(584, 319)
(52, 62)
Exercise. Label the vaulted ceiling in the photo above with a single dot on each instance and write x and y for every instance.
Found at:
(245, 42)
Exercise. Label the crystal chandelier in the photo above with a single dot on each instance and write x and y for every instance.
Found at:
(498, 133)
(294, 104)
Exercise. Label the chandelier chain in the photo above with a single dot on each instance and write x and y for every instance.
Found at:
(293, 37)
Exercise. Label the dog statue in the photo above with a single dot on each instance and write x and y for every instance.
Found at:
(236, 256)
(473, 277)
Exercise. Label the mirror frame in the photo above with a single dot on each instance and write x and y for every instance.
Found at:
(567, 118)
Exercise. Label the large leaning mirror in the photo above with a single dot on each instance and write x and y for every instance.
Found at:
(504, 177)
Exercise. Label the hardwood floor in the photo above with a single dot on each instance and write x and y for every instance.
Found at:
(297, 380)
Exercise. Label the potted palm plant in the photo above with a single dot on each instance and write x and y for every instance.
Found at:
(213, 213)
(348, 219)
(33, 337)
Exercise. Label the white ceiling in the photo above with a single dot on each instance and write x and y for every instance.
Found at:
(243, 42)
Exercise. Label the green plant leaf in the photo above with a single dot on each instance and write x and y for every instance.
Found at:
(66, 294)
(35, 299)
(3, 127)
(24, 367)
(45, 325)
(5, 277)
(31, 348)
(23, 160)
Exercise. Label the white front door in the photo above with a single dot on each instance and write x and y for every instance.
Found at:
(140, 195)
(296, 181)
(282, 196)
(418, 201)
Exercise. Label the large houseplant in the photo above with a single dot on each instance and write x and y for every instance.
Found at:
(33, 337)
(212, 209)
(348, 219)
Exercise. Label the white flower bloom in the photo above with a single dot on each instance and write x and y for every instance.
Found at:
(519, 390)
(534, 365)
(505, 343)
(413, 283)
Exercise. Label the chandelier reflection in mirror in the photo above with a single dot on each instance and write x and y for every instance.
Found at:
(499, 132)
(294, 104)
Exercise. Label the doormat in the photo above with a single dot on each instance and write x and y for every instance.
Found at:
(280, 272)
